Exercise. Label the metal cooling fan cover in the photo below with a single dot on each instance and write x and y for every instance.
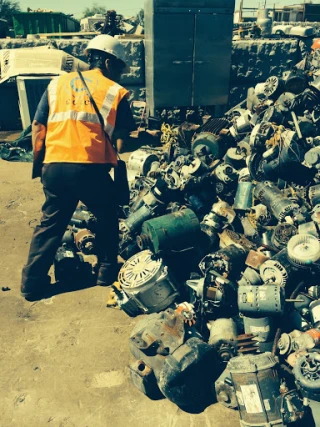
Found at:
(139, 270)
(304, 249)
(274, 272)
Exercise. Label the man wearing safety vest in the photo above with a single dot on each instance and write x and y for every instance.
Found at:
(77, 156)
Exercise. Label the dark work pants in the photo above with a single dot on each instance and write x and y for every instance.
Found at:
(64, 185)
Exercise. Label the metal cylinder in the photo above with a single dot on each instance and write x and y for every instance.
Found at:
(134, 221)
(250, 277)
(264, 22)
(261, 327)
(261, 299)
(177, 231)
(244, 196)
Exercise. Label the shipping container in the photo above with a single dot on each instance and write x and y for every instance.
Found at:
(25, 23)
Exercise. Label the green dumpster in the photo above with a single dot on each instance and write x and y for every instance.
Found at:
(25, 23)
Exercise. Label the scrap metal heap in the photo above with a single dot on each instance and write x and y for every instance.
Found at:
(222, 250)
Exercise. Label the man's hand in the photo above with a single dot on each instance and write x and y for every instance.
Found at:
(120, 138)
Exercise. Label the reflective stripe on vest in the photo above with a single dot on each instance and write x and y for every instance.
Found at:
(107, 106)
(85, 117)
(74, 115)
(52, 91)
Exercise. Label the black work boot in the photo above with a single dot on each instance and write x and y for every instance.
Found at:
(107, 274)
(37, 290)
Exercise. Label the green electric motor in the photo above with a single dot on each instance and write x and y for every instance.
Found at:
(174, 232)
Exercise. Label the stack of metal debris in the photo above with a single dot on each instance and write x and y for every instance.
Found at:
(222, 250)
(222, 247)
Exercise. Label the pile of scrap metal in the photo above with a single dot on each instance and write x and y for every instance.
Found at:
(222, 253)
(221, 242)
(113, 24)
(75, 259)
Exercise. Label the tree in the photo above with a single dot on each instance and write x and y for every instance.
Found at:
(95, 8)
(7, 8)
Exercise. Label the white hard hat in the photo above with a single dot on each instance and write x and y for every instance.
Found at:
(107, 44)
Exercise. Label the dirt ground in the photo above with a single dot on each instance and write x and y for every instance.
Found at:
(64, 360)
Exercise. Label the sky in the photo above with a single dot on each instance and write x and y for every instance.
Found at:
(126, 7)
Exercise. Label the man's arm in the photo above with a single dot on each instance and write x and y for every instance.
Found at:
(39, 131)
(124, 125)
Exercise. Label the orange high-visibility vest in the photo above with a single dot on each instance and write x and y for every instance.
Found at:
(74, 133)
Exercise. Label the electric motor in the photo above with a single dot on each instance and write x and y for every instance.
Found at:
(225, 391)
(266, 300)
(274, 115)
(288, 265)
(217, 294)
(168, 346)
(296, 82)
(227, 261)
(282, 234)
(177, 231)
(136, 219)
(278, 270)
(68, 238)
(244, 196)
(140, 161)
(223, 336)
(261, 133)
(273, 87)
(226, 173)
(269, 194)
(262, 399)
(307, 375)
(236, 158)
(85, 241)
(82, 218)
(212, 144)
(298, 341)
(147, 282)
(303, 250)
(66, 264)
(241, 125)
(298, 322)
